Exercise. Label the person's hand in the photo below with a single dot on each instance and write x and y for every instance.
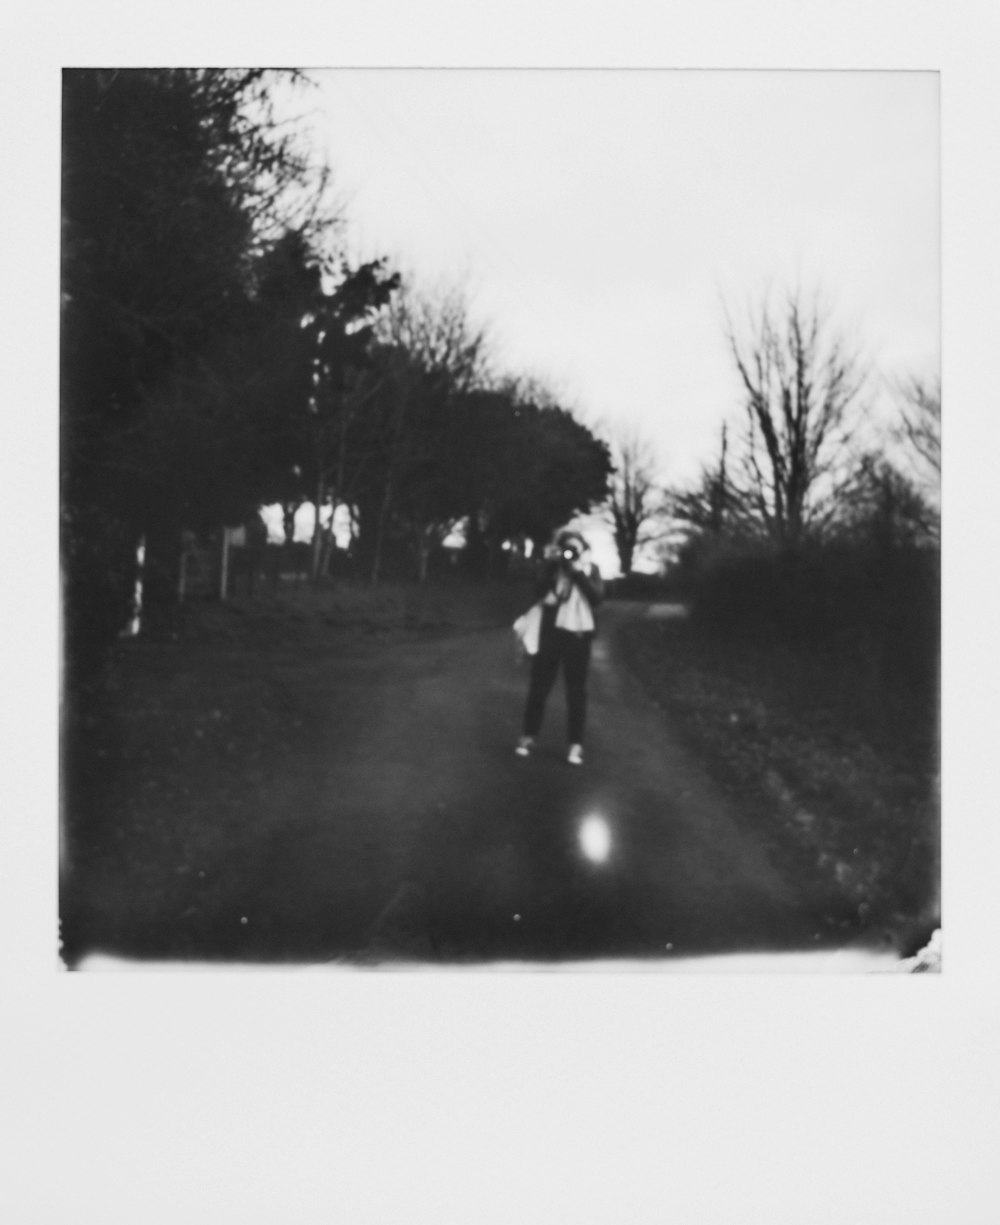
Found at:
(582, 563)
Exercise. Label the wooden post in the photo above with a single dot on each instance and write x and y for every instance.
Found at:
(224, 578)
(135, 622)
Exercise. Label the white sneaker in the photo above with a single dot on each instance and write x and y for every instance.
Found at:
(524, 746)
(575, 755)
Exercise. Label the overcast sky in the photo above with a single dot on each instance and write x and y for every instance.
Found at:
(600, 218)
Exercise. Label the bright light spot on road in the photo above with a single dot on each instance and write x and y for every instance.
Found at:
(595, 838)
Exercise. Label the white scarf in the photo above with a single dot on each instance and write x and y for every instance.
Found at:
(574, 613)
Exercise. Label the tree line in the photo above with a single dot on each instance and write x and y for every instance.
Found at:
(806, 465)
(812, 525)
(220, 352)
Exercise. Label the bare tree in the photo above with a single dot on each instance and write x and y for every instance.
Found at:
(709, 504)
(636, 503)
(884, 506)
(801, 382)
(919, 426)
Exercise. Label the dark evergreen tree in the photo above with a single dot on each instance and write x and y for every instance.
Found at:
(171, 194)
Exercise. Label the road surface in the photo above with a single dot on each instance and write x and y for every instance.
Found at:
(416, 834)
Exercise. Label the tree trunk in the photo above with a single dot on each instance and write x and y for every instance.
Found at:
(161, 570)
(288, 510)
(626, 556)
(383, 515)
(476, 557)
(424, 539)
(718, 492)
(317, 538)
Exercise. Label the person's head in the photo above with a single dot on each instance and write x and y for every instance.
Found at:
(570, 546)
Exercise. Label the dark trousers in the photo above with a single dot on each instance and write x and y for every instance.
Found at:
(559, 648)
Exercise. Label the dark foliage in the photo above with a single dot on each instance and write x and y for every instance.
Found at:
(551, 468)
(442, 454)
(170, 194)
(882, 607)
(216, 357)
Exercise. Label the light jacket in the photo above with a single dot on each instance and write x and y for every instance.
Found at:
(575, 595)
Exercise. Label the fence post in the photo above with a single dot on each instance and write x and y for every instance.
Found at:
(224, 577)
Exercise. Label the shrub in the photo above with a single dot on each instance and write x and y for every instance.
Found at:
(880, 605)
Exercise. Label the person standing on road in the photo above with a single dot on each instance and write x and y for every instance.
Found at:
(569, 590)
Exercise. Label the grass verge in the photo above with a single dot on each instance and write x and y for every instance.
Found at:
(836, 771)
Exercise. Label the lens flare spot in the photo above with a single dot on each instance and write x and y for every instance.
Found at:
(595, 838)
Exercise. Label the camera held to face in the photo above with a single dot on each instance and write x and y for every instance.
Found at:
(570, 553)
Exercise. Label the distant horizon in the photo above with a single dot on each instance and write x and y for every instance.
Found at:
(597, 532)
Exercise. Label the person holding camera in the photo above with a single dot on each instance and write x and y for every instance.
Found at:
(569, 590)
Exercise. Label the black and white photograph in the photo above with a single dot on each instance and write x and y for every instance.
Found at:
(501, 518)
(498, 656)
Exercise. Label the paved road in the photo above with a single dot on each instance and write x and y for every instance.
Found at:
(419, 834)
